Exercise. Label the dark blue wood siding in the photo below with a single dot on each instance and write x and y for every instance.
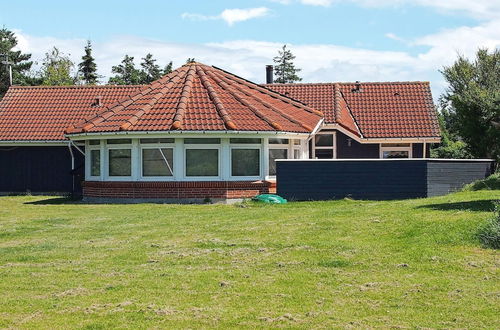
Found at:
(39, 170)
(444, 176)
(326, 179)
(374, 179)
(348, 148)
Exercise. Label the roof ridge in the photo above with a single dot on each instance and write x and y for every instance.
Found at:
(270, 106)
(261, 89)
(215, 98)
(186, 92)
(350, 83)
(240, 99)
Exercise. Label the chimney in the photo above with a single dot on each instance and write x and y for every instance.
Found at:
(269, 74)
(358, 88)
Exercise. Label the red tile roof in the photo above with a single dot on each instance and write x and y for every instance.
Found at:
(379, 110)
(42, 113)
(198, 97)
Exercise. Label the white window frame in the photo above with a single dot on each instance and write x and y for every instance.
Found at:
(130, 147)
(143, 146)
(289, 154)
(88, 163)
(409, 149)
(202, 146)
(245, 146)
(333, 147)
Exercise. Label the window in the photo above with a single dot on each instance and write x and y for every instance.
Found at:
(202, 162)
(201, 141)
(395, 150)
(157, 162)
(278, 141)
(119, 141)
(95, 162)
(275, 154)
(160, 140)
(324, 146)
(120, 162)
(245, 162)
(245, 141)
(94, 142)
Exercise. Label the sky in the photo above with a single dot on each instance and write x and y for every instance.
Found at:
(333, 40)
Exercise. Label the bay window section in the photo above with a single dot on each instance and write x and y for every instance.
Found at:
(275, 154)
(120, 162)
(202, 162)
(95, 162)
(157, 162)
(245, 162)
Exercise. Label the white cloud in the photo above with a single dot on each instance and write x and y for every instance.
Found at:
(230, 16)
(481, 9)
(393, 36)
(319, 62)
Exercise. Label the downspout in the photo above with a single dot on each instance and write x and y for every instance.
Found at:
(72, 169)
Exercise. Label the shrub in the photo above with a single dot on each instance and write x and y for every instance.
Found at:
(489, 233)
(490, 183)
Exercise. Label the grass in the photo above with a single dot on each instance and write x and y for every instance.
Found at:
(412, 263)
(490, 183)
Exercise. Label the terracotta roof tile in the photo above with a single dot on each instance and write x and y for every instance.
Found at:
(378, 110)
(43, 112)
(197, 97)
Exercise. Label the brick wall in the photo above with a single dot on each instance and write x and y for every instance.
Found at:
(178, 190)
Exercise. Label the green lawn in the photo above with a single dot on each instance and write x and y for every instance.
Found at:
(412, 263)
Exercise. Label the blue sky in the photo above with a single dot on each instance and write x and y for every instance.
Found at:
(334, 40)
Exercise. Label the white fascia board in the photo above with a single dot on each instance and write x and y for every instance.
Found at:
(386, 160)
(36, 143)
(187, 134)
(382, 140)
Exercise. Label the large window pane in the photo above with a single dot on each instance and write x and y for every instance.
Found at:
(324, 140)
(95, 162)
(95, 142)
(202, 162)
(120, 162)
(245, 162)
(157, 162)
(273, 155)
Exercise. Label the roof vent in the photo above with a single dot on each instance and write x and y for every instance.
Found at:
(357, 88)
(97, 101)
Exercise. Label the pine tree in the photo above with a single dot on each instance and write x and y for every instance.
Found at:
(57, 69)
(88, 68)
(126, 73)
(21, 64)
(168, 68)
(284, 68)
(150, 70)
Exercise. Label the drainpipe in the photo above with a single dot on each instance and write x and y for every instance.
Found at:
(72, 168)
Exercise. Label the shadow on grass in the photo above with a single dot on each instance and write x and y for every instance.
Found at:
(56, 201)
(486, 205)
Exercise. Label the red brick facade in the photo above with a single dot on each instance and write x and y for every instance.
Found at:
(178, 190)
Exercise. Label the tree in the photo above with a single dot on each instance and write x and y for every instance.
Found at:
(473, 95)
(21, 64)
(284, 69)
(57, 69)
(126, 73)
(150, 70)
(190, 60)
(88, 68)
(168, 68)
